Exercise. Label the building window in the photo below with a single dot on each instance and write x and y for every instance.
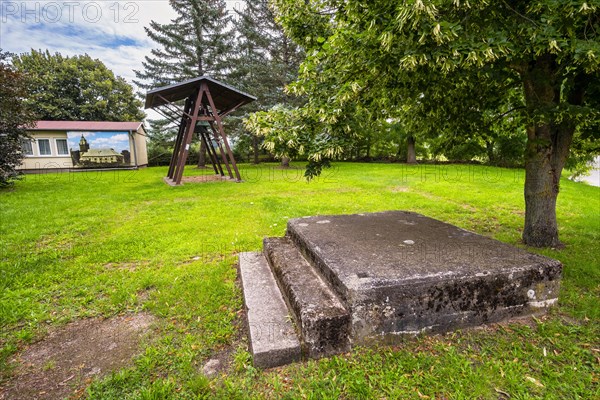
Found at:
(44, 146)
(26, 147)
(61, 147)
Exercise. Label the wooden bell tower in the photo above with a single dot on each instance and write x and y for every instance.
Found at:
(206, 102)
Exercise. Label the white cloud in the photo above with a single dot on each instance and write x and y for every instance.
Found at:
(112, 31)
(109, 30)
(77, 134)
(117, 142)
(100, 140)
(120, 137)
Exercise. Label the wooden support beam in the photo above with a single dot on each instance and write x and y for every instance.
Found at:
(203, 116)
(219, 124)
(187, 139)
(226, 113)
(179, 155)
(178, 140)
(173, 108)
(211, 152)
(221, 150)
(167, 116)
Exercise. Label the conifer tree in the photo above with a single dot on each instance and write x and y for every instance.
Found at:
(267, 60)
(199, 41)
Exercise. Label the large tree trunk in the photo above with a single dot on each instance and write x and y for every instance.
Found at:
(547, 149)
(285, 162)
(255, 148)
(489, 148)
(411, 154)
(543, 168)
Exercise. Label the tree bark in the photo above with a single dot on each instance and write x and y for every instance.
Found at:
(255, 148)
(411, 155)
(285, 162)
(489, 148)
(542, 179)
(547, 149)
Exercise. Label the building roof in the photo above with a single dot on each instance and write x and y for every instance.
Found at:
(100, 153)
(225, 97)
(86, 126)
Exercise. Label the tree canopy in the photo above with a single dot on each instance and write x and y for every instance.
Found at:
(76, 88)
(459, 67)
(266, 60)
(244, 47)
(198, 41)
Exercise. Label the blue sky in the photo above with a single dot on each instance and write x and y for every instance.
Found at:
(100, 140)
(110, 30)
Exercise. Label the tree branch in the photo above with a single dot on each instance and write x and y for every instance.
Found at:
(519, 14)
(504, 114)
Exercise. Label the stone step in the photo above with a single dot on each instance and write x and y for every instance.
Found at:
(322, 319)
(313, 252)
(273, 339)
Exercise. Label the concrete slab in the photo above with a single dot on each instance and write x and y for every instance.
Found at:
(323, 321)
(273, 339)
(400, 272)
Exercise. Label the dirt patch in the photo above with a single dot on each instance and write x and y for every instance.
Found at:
(128, 266)
(205, 178)
(70, 357)
(399, 189)
(520, 213)
(468, 207)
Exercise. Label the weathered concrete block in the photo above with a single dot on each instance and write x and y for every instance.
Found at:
(402, 273)
(273, 339)
(323, 321)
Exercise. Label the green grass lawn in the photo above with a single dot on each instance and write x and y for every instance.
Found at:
(77, 245)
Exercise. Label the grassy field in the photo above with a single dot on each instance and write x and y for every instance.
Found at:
(77, 245)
